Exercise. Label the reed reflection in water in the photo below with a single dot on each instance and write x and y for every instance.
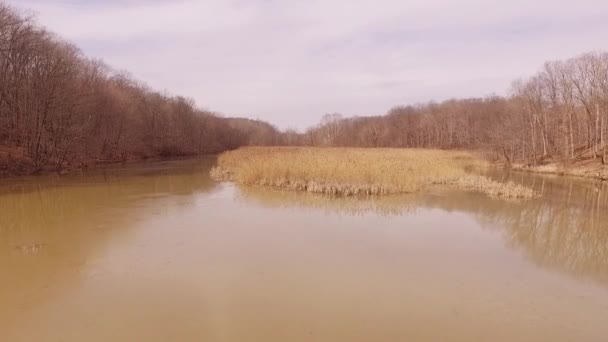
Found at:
(566, 229)
(158, 251)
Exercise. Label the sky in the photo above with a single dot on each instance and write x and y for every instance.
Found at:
(291, 62)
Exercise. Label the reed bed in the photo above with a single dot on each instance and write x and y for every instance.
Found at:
(358, 171)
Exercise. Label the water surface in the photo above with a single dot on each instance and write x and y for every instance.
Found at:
(160, 252)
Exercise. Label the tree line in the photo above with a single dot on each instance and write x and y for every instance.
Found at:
(558, 114)
(60, 109)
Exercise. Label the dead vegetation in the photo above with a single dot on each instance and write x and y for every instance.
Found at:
(64, 111)
(359, 172)
(585, 166)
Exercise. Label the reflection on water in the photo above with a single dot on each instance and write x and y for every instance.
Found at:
(566, 229)
(159, 251)
(44, 205)
(49, 225)
(39, 213)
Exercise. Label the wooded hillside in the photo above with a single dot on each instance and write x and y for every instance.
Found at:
(60, 109)
(561, 113)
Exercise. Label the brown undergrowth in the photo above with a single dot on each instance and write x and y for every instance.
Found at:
(359, 171)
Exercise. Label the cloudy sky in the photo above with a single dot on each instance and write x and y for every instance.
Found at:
(290, 62)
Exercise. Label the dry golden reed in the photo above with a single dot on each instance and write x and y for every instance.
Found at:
(358, 171)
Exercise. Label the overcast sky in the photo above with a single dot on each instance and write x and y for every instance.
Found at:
(290, 62)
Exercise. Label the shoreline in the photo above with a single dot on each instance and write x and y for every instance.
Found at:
(24, 169)
(15, 168)
(597, 171)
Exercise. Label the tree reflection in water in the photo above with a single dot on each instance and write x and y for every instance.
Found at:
(566, 229)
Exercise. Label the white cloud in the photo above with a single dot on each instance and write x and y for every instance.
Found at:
(290, 62)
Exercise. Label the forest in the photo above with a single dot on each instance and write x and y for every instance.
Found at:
(61, 110)
(559, 115)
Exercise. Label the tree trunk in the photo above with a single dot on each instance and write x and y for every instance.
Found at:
(571, 135)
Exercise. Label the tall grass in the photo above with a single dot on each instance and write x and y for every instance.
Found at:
(354, 171)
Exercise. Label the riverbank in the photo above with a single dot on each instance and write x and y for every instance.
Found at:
(587, 168)
(360, 171)
(14, 165)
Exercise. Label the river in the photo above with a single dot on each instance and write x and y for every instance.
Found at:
(160, 252)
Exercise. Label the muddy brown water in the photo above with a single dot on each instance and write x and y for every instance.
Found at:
(160, 252)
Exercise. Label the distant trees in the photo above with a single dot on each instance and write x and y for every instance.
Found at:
(564, 109)
(58, 108)
(452, 124)
(255, 132)
(559, 113)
